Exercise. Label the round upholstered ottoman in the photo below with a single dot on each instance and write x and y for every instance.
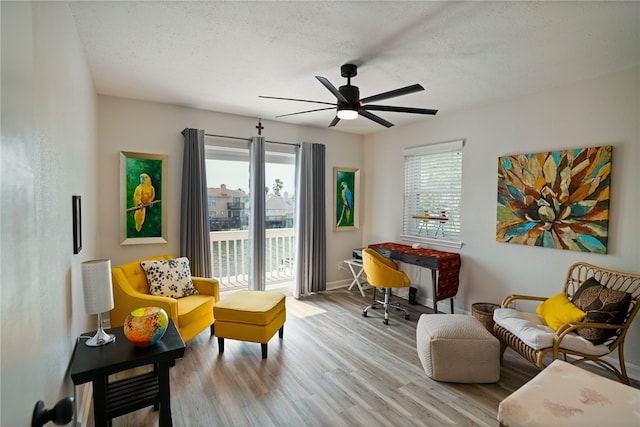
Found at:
(457, 348)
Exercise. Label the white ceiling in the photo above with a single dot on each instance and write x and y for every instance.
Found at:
(220, 56)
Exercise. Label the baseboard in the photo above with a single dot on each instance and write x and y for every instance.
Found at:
(633, 371)
(331, 286)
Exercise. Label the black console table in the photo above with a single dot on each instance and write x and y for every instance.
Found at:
(120, 397)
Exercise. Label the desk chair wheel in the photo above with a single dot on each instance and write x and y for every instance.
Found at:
(364, 313)
(385, 321)
(406, 317)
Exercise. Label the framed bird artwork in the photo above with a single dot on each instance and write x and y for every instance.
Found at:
(143, 215)
(346, 192)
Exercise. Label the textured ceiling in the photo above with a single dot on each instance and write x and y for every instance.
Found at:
(221, 56)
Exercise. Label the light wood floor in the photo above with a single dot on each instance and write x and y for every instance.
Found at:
(332, 368)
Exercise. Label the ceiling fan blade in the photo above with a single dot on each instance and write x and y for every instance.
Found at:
(308, 111)
(332, 89)
(334, 122)
(371, 116)
(295, 99)
(399, 109)
(392, 94)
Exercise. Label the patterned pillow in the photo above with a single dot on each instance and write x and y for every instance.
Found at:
(602, 305)
(169, 278)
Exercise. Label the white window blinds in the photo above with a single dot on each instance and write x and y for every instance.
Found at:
(433, 191)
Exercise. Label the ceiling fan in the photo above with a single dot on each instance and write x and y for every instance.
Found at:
(349, 105)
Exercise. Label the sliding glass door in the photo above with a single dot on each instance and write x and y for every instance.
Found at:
(229, 209)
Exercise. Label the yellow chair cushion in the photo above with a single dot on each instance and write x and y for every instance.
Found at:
(194, 308)
(250, 307)
(558, 310)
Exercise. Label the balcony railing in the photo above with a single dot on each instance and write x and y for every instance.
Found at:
(230, 257)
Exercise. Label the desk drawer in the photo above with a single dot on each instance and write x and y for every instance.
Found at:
(384, 252)
(425, 262)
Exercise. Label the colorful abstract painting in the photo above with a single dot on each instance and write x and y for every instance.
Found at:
(557, 199)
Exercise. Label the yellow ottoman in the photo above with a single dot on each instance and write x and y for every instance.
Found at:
(252, 316)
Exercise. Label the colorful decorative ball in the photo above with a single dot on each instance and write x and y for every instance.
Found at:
(145, 326)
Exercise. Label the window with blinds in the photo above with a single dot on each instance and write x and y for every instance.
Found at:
(433, 192)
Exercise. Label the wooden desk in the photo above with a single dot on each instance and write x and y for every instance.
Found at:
(444, 266)
(120, 397)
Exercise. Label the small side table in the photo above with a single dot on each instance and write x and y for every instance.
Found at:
(113, 399)
(356, 268)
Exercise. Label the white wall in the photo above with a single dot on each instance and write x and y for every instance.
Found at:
(129, 125)
(603, 111)
(48, 154)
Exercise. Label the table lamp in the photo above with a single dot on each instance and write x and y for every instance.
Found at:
(98, 296)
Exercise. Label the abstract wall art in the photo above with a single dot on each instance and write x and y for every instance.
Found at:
(557, 199)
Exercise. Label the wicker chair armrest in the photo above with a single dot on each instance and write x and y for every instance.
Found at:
(570, 327)
(511, 298)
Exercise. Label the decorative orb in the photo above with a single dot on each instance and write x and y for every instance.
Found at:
(145, 326)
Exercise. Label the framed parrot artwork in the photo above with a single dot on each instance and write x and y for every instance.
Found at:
(346, 192)
(143, 213)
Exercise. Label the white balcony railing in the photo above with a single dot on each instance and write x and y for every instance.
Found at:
(230, 257)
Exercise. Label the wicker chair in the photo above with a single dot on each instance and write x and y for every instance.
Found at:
(565, 337)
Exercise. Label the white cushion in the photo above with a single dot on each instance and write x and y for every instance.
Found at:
(532, 330)
(169, 278)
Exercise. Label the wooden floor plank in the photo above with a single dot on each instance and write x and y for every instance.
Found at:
(332, 368)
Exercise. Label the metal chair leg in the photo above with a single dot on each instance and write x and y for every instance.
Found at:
(386, 304)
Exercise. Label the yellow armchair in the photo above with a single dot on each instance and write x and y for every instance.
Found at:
(191, 314)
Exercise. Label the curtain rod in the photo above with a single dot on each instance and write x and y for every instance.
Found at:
(246, 139)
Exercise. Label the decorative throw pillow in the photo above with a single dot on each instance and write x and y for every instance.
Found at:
(169, 278)
(558, 310)
(602, 305)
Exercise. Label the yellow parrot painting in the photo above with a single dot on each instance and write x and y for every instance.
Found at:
(143, 195)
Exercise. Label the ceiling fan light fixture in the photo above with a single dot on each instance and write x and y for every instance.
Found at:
(347, 114)
(349, 104)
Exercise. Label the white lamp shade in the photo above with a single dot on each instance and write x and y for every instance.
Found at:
(96, 281)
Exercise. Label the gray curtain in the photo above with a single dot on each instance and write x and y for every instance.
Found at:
(194, 222)
(257, 237)
(310, 223)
